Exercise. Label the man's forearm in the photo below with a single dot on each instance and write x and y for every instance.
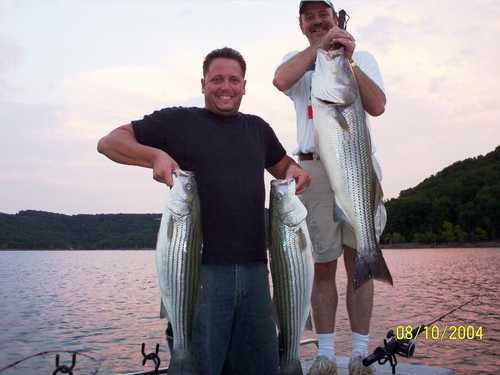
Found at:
(372, 96)
(122, 147)
(279, 169)
(292, 70)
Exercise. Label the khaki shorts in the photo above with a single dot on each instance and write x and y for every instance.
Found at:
(327, 235)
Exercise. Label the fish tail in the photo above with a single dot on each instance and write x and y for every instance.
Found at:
(373, 267)
(291, 368)
(182, 363)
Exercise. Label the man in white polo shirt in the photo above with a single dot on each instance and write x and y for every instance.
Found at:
(319, 23)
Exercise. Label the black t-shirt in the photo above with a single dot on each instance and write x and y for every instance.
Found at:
(228, 155)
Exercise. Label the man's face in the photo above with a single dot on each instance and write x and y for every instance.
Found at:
(223, 86)
(315, 21)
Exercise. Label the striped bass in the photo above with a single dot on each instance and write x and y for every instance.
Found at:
(344, 147)
(178, 259)
(292, 270)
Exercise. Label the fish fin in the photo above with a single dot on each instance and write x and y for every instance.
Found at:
(182, 363)
(169, 335)
(373, 267)
(340, 119)
(380, 214)
(291, 367)
(309, 325)
(170, 228)
(267, 223)
(340, 215)
(379, 193)
(302, 239)
(274, 311)
(163, 311)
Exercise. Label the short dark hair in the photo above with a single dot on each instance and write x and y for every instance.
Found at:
(226, 53)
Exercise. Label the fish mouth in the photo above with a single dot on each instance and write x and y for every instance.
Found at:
(180, 172)
(285, 181)
(283, 191)
(283, 187)
(183, 193)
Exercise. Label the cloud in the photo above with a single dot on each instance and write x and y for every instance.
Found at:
(46, 166)
(97, 101)
(10, 56)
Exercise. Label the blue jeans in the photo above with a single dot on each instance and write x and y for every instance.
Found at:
(233, 328)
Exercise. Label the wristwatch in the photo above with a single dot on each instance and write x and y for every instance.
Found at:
(353, 63)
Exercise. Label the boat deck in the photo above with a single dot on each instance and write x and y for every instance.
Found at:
(401, 369)
(343, 363)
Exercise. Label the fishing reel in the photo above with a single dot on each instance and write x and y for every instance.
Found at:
(392, 346)
(403, 347)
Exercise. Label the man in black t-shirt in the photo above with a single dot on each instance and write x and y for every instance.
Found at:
(228, 151)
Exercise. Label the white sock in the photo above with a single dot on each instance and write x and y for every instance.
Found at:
(359, 345)
(326, 345)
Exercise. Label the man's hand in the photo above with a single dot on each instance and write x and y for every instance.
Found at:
(338, 35)
(163, 167)
(302, 178)
(288, 168)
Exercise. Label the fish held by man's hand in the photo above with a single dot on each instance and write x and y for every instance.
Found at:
(344, 146)
(178, 260)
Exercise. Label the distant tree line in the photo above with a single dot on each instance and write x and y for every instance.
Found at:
(459, 204)
(46, 230)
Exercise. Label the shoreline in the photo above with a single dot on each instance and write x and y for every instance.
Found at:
(399, 246)
(451, 245)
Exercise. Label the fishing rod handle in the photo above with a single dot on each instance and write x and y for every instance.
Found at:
(342, 19)
(377, 354)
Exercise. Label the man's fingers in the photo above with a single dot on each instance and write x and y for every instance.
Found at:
(158, 177)
(169, 180)
(302, 183)
(339, 33)
(166, 178)
(344, 41)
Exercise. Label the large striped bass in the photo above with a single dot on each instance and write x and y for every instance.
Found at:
(292, 270)
(344, 147)
(178, 259)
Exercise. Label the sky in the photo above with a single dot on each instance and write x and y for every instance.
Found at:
(71, 71)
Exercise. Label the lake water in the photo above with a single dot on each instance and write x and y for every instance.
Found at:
(106, 303)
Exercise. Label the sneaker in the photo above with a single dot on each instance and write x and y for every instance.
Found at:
(323, 365)
(356, 367)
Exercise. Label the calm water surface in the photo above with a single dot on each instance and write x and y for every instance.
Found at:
(106, 303)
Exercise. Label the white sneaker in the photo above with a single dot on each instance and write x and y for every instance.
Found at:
(323, 365)
(356, 367)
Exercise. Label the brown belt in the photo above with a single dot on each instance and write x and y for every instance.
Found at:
(308, 156)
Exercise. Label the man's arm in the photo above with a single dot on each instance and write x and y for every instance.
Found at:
(372, 96)
(288, 168)
(293, 69)
(122, 147)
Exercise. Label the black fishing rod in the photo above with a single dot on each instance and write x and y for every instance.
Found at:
(404, 347)
(63, 369)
